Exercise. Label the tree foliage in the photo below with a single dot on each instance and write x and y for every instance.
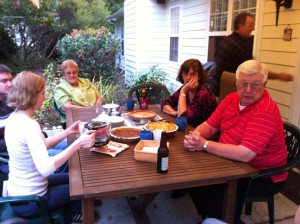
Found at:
(113, 6)
(8, 48)
(88, 14)
(41, 27)
(38, 28)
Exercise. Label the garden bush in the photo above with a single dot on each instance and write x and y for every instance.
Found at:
(93, 50)
(47, 116)
(152, 74)
(110, 90)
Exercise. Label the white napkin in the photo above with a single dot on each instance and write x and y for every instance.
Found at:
(150, 149)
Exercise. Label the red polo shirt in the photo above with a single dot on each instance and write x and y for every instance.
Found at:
(258, 127)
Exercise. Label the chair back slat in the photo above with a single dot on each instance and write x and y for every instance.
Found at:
(227, 85)
(156, 92)
(292, 142)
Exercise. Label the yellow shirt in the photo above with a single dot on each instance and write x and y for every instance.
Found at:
(84, 95)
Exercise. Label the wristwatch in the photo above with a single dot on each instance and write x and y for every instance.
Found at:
(205, 146)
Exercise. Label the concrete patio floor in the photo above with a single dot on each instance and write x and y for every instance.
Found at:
(165, 210)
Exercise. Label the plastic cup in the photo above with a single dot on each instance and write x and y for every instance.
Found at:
(146, 135)
(81, 127)
(130, 104)
(157, 135)
(181, 122)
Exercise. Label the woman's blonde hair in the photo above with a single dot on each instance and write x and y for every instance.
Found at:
(68, 63)
(24, 90)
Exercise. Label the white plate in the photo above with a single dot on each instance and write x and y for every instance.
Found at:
(115, 121)
(110, 119)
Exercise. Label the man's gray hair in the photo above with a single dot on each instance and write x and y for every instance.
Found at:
(251, 67)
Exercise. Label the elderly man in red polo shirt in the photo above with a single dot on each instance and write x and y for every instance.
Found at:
(251, 131)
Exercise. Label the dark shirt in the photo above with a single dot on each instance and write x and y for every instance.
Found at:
(5, 111)
(202, 106)
(232, 51)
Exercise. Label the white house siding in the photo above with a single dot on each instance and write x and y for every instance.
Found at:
(118, 29)
(147, 46)
(280, 55)
(130, 34)
(192, 36)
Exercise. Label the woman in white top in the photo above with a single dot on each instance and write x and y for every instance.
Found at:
(31, 168)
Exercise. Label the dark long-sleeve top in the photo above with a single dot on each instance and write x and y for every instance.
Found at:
(233, 51)
(5, 111)
(202, 106)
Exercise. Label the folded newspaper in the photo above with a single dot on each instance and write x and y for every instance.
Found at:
(112, 148)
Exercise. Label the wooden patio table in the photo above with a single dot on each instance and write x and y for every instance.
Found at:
(98, 176)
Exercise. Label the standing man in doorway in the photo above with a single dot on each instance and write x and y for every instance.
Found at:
(234, 50)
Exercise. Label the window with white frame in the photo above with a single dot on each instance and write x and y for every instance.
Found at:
(174, 34)
(222, 14)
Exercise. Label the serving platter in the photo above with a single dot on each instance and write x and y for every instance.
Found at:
(142, 114)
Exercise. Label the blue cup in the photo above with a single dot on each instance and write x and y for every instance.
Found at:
(146, 135)
(181, 122)
(130, 104)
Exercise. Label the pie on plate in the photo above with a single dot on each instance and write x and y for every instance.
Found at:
(142, 114)
(169, 128)
(126, 134)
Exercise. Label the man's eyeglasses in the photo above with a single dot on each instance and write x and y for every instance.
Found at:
(253, 86)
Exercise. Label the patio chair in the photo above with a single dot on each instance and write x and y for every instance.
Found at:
(61, 114)
(7, 215)
(292, 141)
(156, 92)
(227, 85)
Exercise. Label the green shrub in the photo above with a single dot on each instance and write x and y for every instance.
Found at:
(153, 74)
(93, 50)
(110, 91)
(47, 116)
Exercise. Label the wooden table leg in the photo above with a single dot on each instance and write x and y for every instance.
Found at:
(88, 215)
(229, 201)
(138, 205)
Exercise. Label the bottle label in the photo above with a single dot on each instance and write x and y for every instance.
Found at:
(164, 163)
(143, 103)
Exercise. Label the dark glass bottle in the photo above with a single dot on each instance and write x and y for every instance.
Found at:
(163, 155)
(143, 100)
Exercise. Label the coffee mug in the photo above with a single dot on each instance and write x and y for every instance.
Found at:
(181, 122)
(146, 135)
(130, 104)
